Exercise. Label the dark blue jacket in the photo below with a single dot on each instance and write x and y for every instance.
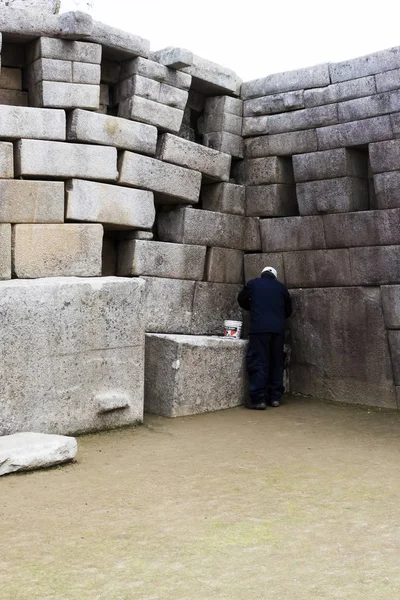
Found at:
(269, 303)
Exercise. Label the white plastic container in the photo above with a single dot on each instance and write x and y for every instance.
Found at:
(232, 329)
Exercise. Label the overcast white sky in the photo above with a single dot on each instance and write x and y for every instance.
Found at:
(259, 37)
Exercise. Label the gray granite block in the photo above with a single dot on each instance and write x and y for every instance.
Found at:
(340, 162)
(378, 62)
(337, 92)
(356, 133)
(317, 268)
(391, 305)
(282, 144)
(376, 265)
(300, 79)
(307, 118)
(224, 265)
(366, 228)
(274, 200)
(277, 103)
(213, 304)
(292, 233)
(340, 195)
(387, 189)
(224, 198)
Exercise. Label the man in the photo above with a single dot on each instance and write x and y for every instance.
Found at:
(269, 303)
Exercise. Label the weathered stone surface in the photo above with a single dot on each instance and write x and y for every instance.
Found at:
(45, 47)
(377, 265)
(10, 79)
(6, 160)
(342, 355)
(86, 73)
(86, 126)
(13, 98)
(65, 161)
(202, 227)
(253, 126)
(395, 122)
(5, 251)
(385, 156)
(356, 133)
(31, 201)
(275, 200)
(136, 85)
(387, 189)
(154, 70)
(160, 259)
(224, 198)
(28, 451)
(292, 233)
(337, 92)
(390, 80)
(394, 345)
(168, 305)
(141, 109)
(172, 183)
(282, 144)
(340, 195)
(75, 341)
(175, 58)
(57, 250)
(222, 105)
(187, 375)
(370, 106)
(270, 169)
(213, 304)
(307, 118)
(210, 78)
(20, 122)
(366, 228)
(110, 205)
(252, 234)
(255, 263)
(224, 265)
(212, 163)
(277, 103)
(49, 69)
(118, 44)
(391, 305)
(317, 268)
(225, 142)
(328, 164)
(55, 94)
(378, 62)
(301, 79)
(215, 122)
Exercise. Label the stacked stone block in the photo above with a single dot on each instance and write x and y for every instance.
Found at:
(223, 125)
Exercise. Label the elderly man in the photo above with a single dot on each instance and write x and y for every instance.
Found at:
(269, 303)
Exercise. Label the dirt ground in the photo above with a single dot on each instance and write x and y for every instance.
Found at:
(296, 503)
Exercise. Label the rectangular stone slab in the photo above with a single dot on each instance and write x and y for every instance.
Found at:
(385, 156)
(378, 62)
(387, 189)
(176, 58)
(356, 133)
(370, 106)
(212, 79)
(276, 103)
(161, 259)
(76, 343)
(282, 144)
(117, 43)
(342, 355)
(211, 163)
(252, 235)
(168, 305)
(224, 198)
(270, 169)
(31, 201)
(111, 205)
(222, 105)
(225, 142)
(213, 304)
(171, 183)
(292, 233)
(341, 162)
(347, 90)
(376, 265)
(55, 94)
(307, 118)
(166, 118)
(391, 305)
(85, 126)
(156, 71)
(339, 195)
(215, 122)
(45, 47)
(60, 160)
(253, 126)
(365, 228)
(187, 375)
(390, 80)
(317, 268)
(203, 227)
(22, 122)
(224, 265)
(300, 79)
(57, 250)
(274, 200)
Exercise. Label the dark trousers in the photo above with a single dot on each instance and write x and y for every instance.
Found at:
(265, 364)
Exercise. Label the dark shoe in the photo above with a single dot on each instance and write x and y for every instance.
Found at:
(256, 405)
(274, 403)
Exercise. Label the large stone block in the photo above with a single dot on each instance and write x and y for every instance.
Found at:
(378, 62)
(255, 263)
(366, 228)
(187, 375)
(224, 198)
(57, 250)
(118, 44)
(143, 110)
(339, 346)
(213, 304)
(370, 106)
(58, 160)
(387, 189)
(6, 160)
(377, 265)
(277, 103)
(202, 227)
(394, 345)
(18, 122)
(49, 69)
(307, 118)
(224, 265)
(356, 133)
(222, 122)
(337, 92)
(171, 183)
(86, 73)
(161, 259)
(282, 144)
(31, 201)
(253, 126)
(5, 251)
(225, 142)
(292, 233)
(385, 156)
(55, 94)
(252, 235)
(301, 79)
(390, 80)
(168, 305)
(317, 268)
(328, 164)
(212, 79)
(136, 85)
(45, 47)
(112, 205)
(156, 71)
(222, 105)
(175, 58)
(213, 164)
(341, 195)
(78, 354)
(275, 200)
(85, 126)
(391, 305)
(270, 169)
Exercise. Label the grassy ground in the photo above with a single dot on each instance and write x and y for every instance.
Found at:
(296, 503)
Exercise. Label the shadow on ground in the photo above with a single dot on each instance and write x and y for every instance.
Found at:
(296, 503)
